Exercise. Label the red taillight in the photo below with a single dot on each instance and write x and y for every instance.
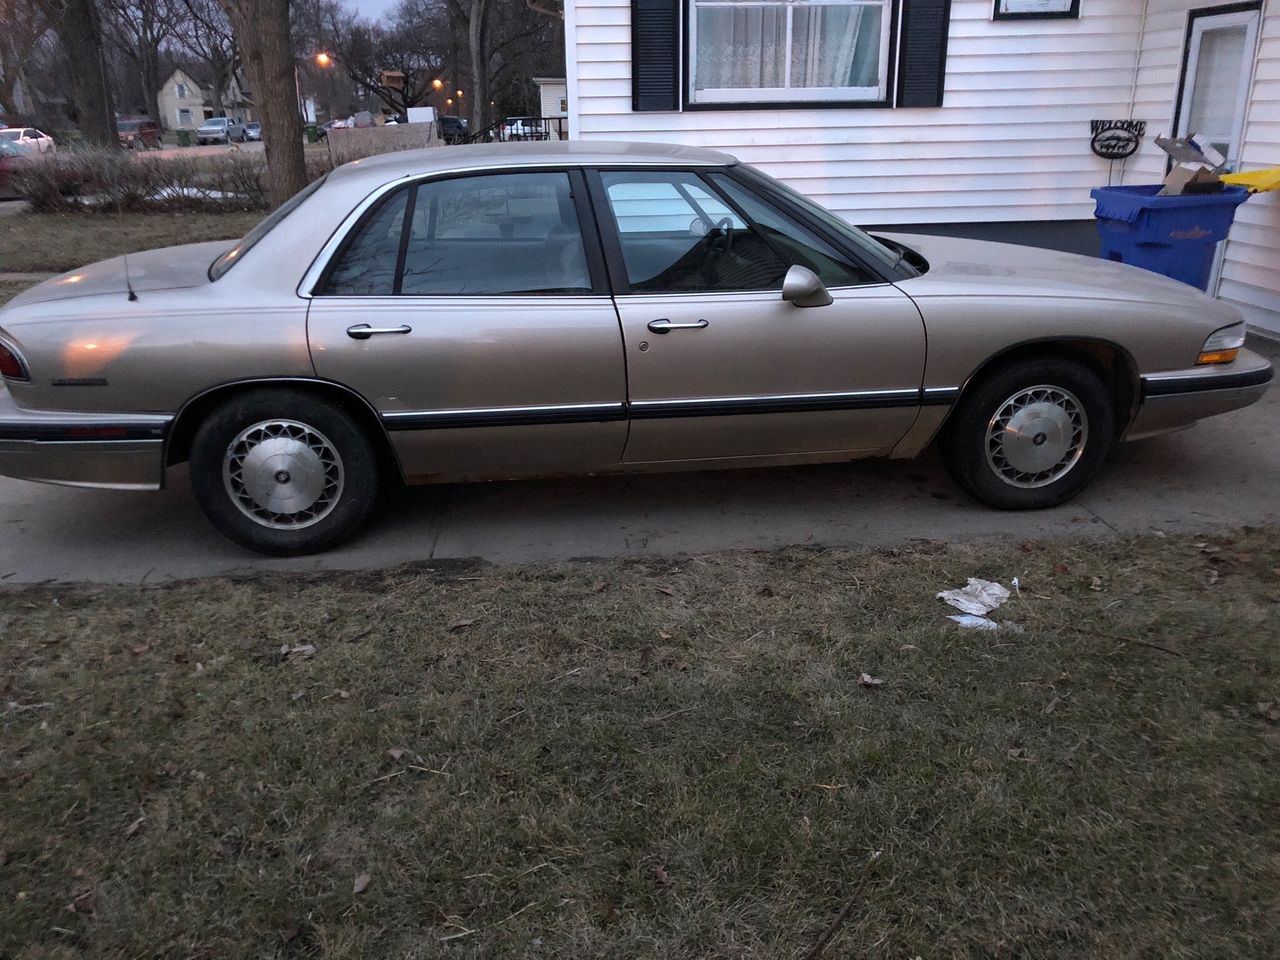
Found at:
(11, 365)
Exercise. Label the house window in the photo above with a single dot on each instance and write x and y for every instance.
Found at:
(753, 51)
(184, 117)
(182, 91)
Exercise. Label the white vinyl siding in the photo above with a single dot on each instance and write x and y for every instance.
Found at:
(1011, 141)
(1250, 277)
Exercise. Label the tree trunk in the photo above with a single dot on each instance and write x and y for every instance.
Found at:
(478, 42)
(262, 31)
(79, 29)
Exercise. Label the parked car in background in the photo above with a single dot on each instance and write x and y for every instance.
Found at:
(523, 310)
(523, 128)
(361, 119)
(454, 129)
(13, 156)
(253, 130)
(29, 137)
(220, 130)
(139, 134)
(336, 124)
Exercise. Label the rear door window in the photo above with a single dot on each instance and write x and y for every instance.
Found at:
(488, 235)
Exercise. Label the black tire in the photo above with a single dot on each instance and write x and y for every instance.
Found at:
(344, 499)
(1065, 407)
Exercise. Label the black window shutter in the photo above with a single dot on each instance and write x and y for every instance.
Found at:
(922, 64)
(655, 54)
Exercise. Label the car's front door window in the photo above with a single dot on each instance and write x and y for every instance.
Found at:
(678, 235)
(795, 242)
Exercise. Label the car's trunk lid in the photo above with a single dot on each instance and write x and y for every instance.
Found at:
(170, 268)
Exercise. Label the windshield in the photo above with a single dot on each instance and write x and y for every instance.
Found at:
(124, 126)
(872, 250)
(10, 149)
(10, 134)
(236, 253)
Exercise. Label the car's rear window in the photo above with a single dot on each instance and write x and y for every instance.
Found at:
(233, 256)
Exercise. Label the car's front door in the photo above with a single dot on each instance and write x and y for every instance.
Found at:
(719, 365)
(473, 313)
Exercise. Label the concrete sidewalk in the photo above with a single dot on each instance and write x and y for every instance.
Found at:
(1223, 472)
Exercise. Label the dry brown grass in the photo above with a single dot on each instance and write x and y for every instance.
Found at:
(57, 242)
(659, 758)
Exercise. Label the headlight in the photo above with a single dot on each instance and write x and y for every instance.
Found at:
(1222, 346)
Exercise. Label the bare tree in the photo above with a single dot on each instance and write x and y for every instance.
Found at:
(474, 14)
(409, 44)
(78, 27)
(140, 29)
(25, 23)
(204, 31)
(262, 32)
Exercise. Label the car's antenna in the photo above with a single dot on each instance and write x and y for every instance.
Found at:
(128, 285)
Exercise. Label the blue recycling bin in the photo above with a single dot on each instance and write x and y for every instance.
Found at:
(1173, 236)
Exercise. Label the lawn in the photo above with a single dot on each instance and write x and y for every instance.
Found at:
(34, 242)
(660, 759)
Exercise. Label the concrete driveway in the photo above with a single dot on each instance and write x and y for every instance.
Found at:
(1223, 472)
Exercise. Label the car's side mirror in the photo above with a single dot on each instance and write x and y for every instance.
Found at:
(802, 288)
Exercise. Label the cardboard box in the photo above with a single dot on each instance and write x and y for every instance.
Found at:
(1196, 165)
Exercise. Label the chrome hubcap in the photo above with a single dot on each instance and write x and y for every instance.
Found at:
(283, 474)
(1036, 436)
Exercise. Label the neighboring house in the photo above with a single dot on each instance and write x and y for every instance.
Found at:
(186, 103)
(968, 117)
(553, 96)
(553, 105)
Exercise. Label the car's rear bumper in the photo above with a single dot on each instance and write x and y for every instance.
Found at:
(113, 451)
(1178, 398)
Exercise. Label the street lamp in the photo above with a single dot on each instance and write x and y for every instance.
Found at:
(437, 84)
(323, 59)
(459, 94)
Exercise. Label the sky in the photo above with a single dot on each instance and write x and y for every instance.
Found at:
(370, 8)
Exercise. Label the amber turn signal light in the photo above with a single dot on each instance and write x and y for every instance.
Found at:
(1218, 356)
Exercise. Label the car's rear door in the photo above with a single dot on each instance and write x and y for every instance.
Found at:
(719, 365)
(473, 312)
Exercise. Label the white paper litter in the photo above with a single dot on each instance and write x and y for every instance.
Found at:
(972, 622)
(977, 596)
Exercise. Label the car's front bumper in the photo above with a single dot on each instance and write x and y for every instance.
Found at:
(1178, 398)
(114, 451)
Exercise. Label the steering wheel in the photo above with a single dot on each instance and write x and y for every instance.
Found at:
(721, 245)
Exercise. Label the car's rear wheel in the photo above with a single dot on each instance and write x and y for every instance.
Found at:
(1031, 435)
(284, 473)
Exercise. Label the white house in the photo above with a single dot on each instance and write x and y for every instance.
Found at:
(185, 103)
(970, 117)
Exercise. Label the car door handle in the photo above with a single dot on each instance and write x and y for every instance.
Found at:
(362, 331)
(666, 326)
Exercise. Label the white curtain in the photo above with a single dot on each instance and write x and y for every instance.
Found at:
(741, 45)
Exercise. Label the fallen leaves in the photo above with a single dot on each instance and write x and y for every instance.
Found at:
(1269, 710)
(661, 877)
(134, 827)
(461, 624)
(395, 753)
(361, 883)
(867, 680)
(304, 651)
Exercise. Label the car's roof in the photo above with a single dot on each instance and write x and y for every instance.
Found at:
(390, 166)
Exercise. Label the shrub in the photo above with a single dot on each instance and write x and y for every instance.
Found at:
(83, 178)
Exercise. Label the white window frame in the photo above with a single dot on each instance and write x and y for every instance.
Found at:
(766, 95)
(182, 91)
(1200, 26)
(188, 121)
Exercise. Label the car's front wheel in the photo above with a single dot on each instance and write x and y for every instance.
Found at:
(1031, 435)
(283, 472)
